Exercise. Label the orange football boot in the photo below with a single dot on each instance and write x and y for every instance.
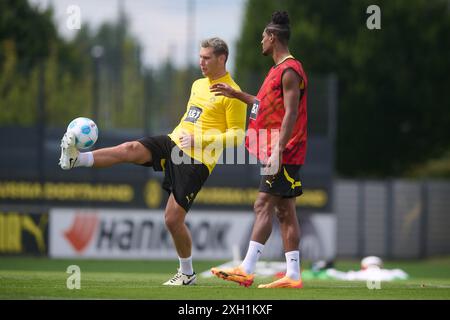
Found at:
(234, 274)
(284, 282)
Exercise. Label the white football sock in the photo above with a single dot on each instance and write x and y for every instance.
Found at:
(186, 265)
(293, 264)
(85, 159)
(254, 251)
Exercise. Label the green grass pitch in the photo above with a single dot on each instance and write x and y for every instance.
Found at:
(43, 278)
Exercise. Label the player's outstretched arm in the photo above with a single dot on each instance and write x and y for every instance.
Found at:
(223, 89)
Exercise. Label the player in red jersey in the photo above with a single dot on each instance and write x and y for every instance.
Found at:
(278, 112)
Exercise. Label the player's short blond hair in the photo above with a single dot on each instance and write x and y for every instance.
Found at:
(219, 46)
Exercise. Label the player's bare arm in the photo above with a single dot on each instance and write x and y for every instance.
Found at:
(291, 97)
(223, 89)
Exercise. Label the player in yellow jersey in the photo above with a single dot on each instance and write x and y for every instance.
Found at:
(187, 155)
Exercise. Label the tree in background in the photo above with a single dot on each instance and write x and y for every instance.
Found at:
(25, 42)
(29, 46)
(115, 86)
(394, 102)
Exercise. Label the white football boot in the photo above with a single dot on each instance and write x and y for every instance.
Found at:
(181, 279)
(69, 153)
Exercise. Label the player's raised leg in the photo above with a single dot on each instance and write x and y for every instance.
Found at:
(128, 152)
(175, 222)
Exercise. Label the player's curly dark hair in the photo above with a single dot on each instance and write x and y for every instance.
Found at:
(279, 26)
(280, 17)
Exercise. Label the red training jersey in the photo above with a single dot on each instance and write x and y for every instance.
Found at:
(268, 113)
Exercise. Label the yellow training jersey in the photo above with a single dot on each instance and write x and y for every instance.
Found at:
(215, 121)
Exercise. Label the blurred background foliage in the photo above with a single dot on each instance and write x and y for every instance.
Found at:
(394, 98)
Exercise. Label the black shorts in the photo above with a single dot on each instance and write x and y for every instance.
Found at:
(183, 180)
(285, 183)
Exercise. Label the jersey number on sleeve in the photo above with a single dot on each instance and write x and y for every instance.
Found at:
(193, 114)
(254, 111)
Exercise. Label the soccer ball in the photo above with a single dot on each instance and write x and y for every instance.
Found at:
(85, 130)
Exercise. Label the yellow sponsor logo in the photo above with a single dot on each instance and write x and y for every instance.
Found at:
(66, 191)
(316, 198)
(12, 226)
(226, 196)
(153, 194)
